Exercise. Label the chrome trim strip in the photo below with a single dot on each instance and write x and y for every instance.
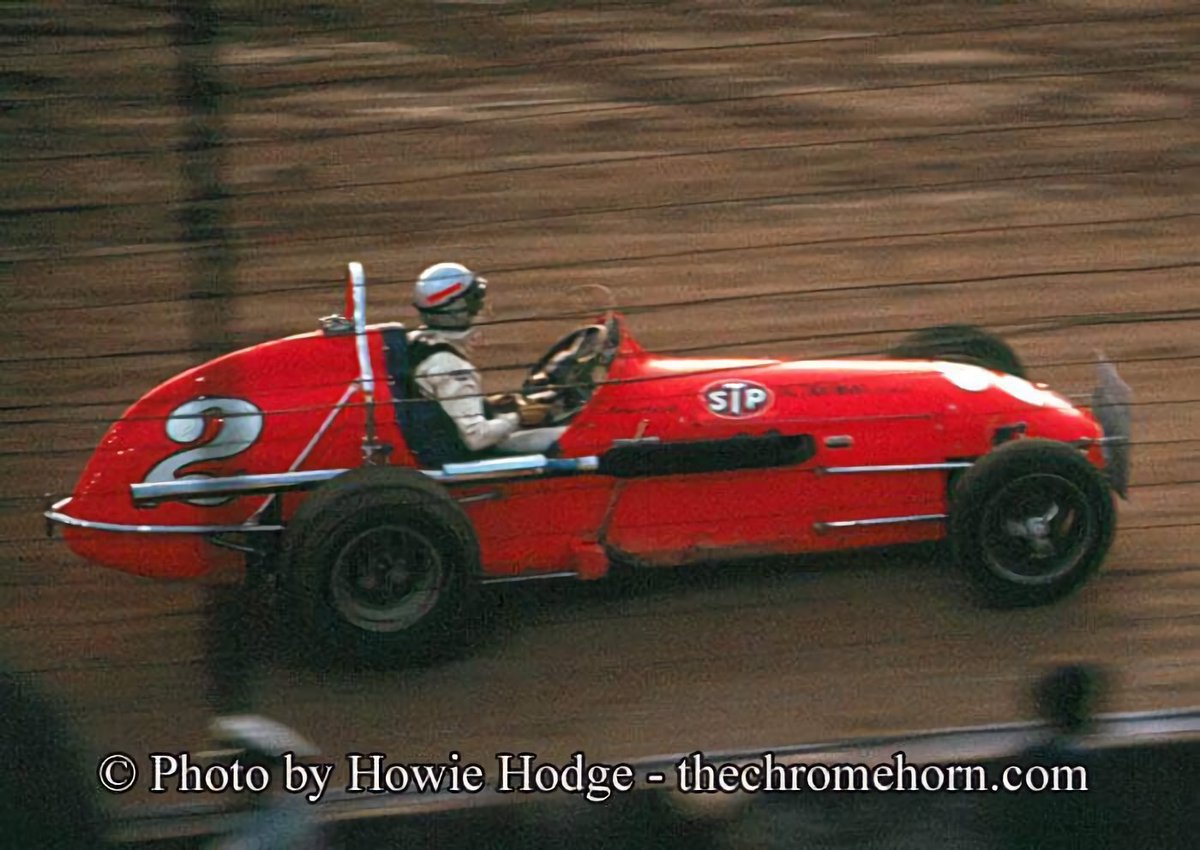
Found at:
(516, 465)
(512, 467)
(515, 579)
(232, 485)
(1084, 442)
(451, 473)
(312, 444)
(885, 520)
(489, 496)
(65, 519)
(898, 467)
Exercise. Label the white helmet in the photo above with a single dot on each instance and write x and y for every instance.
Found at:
(449, 296)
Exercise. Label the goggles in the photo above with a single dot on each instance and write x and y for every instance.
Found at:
(476, 294)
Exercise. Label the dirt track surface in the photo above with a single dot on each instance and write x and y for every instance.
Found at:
(1026, 166)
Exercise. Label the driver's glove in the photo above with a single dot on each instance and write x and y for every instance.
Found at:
(503, 403)
(533, 415)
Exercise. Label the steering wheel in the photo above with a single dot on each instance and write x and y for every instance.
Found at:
(566, 369)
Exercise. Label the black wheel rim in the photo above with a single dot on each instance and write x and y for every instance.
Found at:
(387, 578)
(1037, 529)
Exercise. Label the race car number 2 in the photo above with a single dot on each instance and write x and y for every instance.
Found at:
(239, 424)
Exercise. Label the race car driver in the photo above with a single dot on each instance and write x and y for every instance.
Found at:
(449, 297)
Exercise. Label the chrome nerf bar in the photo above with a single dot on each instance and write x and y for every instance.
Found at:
(452, 473)
(233, 485)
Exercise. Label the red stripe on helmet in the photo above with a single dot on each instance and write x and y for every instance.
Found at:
(446, 293)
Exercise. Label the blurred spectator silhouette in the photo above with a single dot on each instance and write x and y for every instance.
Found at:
(48, 795)
(239, 637)
(1066, 700)
(274, 819)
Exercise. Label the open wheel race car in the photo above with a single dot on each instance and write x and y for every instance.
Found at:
(308, 460)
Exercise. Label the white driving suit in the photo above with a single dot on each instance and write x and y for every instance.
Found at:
(453, 381)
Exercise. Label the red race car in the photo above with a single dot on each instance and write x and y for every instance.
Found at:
(304, 459)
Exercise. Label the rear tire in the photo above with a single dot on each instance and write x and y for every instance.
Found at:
(1032, 521)
(961, 344)
(381, 563)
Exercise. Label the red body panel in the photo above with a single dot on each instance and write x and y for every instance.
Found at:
(295, 386)
(535, 526)
(307, 413)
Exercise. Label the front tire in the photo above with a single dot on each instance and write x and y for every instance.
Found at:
(381, 563)
(1032, 521)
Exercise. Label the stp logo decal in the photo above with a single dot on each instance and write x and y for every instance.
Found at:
(736, 399)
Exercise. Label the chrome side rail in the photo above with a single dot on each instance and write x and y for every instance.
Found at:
(533, 577)
(56, 514)
(452, 473)
(512, 467)
(897, 467)
(233, 485)
(517, 466)
(883, 520)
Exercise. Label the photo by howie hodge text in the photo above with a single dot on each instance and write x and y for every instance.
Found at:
(524, 773)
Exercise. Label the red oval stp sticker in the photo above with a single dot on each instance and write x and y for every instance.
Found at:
(736, 399)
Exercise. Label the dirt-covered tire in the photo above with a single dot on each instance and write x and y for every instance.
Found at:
(381, 564)
(1031, 522)
(961, 344)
